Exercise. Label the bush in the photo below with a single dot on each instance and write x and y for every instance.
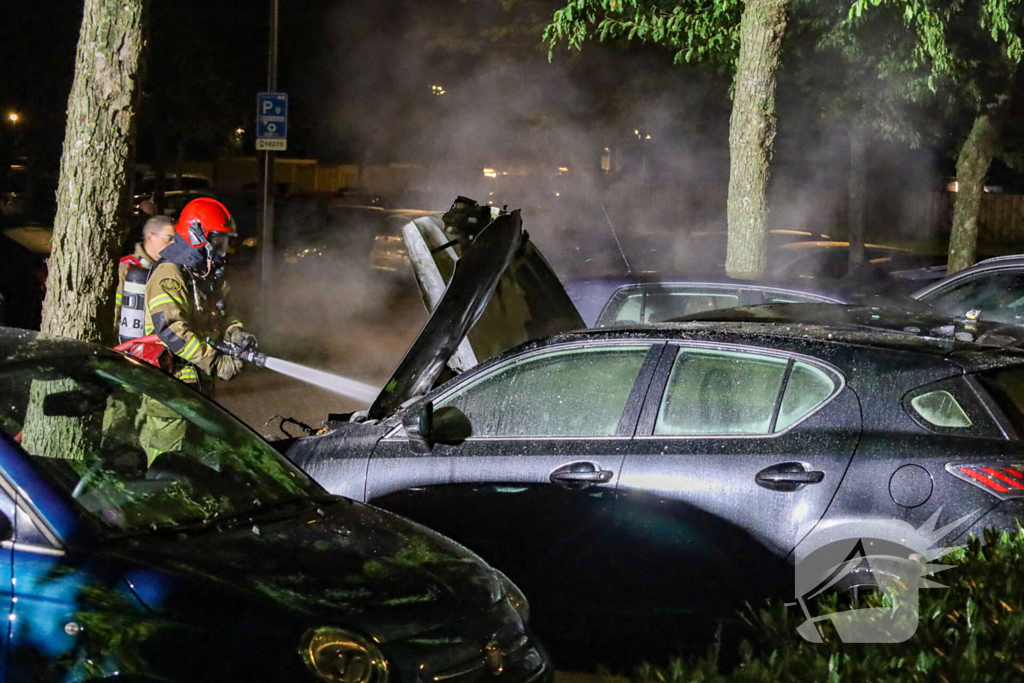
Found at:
(972, 632)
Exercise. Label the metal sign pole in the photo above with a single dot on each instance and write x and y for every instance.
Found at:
(267, 252)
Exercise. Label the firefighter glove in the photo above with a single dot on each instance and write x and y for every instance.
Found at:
(236, 334)
(227, 367)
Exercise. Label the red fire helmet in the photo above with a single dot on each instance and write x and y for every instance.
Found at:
(211, 215)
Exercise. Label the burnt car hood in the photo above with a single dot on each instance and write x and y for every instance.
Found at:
(500, 279)
(349, 565)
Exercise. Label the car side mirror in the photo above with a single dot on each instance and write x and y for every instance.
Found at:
(425, 427)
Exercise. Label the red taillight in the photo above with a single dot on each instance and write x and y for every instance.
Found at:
(1003, 480)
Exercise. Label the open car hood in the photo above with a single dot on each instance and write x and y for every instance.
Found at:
(494, 276)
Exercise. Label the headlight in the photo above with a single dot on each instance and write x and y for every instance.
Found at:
(340, 656)
(515, 596)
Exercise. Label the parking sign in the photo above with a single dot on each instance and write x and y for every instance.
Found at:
(272, 121)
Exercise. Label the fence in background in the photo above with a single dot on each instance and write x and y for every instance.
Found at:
(924, 214)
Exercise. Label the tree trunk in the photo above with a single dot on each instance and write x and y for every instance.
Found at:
(971, 168)
(858, 183)
(92, 195)
(751, 132)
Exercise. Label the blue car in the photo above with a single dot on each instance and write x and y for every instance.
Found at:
(216, 560)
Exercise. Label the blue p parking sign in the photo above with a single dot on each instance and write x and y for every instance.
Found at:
(271, 120)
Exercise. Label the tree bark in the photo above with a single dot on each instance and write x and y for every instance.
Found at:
(92, 194)
(751, 133)
(858, 183)
(971, 168)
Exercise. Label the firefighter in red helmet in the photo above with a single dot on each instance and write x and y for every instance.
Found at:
(180, 313)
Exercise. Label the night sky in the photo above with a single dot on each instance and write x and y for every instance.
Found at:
(359, 75)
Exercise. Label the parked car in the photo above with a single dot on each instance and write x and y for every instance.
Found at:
(356, 196)
(995, 287)
(187, 182)
(641, 481)
(654, 302)
(798, 261)
(25, 249)
(219, 561)
(658, 301)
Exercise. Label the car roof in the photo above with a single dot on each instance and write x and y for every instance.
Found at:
(999, 261)
(788, 326)
(25, 345)
(814, 288)
(991, 264)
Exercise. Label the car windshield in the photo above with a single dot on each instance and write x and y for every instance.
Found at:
(135, 450)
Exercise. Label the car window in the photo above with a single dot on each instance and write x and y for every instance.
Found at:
(573, 392)
(999, 297)
(1007, 387)
(646, 305)
(712, 392)
(793, 298)
(720, 392)
(806, 389)
(941, 409)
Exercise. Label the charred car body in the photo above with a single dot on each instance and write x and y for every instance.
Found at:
(672, 470)
(220, 561)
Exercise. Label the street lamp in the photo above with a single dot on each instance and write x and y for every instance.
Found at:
(239, 131)
(13, 117)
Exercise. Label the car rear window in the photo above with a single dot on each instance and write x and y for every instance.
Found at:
(646, 305)
(795, 298)
(1007, 388)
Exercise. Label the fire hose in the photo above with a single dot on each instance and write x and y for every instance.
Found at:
(151, 349)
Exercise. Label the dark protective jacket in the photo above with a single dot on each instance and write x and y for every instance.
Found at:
(173, 313)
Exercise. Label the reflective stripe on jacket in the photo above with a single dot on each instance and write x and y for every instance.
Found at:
(172, 314)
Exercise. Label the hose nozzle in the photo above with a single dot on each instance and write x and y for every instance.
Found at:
(247, 355)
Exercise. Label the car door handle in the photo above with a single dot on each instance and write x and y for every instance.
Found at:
(787, 476)
(580, 475)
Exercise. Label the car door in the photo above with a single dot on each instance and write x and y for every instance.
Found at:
(7, 516)
(533, 490)
(738, 453)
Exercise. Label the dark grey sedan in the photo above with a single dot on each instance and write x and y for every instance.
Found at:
(672, 470)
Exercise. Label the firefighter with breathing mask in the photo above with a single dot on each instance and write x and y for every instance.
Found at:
(129, 303)
(184, 317)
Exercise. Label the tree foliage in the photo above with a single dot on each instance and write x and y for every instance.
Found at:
(965, 47)
(693, 29)
(972, 631)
